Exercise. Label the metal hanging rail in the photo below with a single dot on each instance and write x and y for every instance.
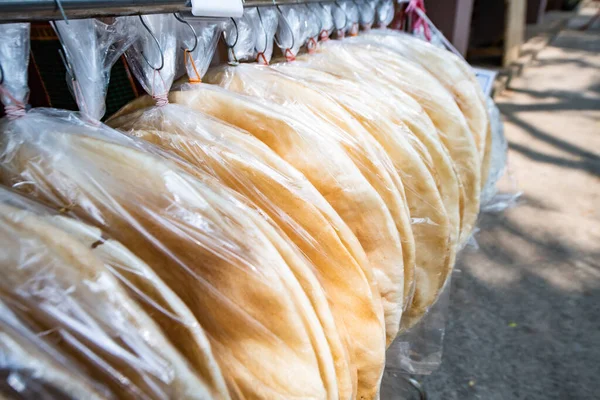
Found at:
(50, 10)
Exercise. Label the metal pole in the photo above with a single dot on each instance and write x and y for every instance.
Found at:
(48, 10)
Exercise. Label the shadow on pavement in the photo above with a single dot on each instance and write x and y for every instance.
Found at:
(524, 318)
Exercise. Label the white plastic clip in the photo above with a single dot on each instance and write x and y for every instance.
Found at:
(221, 8)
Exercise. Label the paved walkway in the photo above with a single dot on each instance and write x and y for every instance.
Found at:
(525, 308)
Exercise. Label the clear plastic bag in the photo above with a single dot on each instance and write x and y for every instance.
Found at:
(323, 12)
(70, 281)
(33, 367)
(269, 86)
(499, 177)
(265, 24)
(171, 221)
(419, 350)
(326, 165)
(254, 35)
(248, 166)
(231, 268)
(155, 47)
(202, 38)
(453, 72)
(340, 20)
(333, 174)
(350, 8)
(14, 59)
(91, 48)
(430, 224)
(385, 13)
(367, 11)
(410, 352)
(314, 28)
(285, 197)
(292, 29)
(198, 139)
(240, 37)
(370, 62)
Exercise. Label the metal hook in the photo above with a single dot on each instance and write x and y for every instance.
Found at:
(183, 21)
(62, 54)
(289, 27)
(231, 47)
(62, 11)
(237, 34)
(417, 386)
(162, 56)
(262, 25)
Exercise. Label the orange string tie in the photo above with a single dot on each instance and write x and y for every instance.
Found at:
(354, 29)
(311, 46)
(15, 110)
(187, 57)
(262, 59)
(324, 35)
(161, 98)
(289, 56)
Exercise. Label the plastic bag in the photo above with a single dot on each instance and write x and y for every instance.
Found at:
(492, 200)
(340, 20)
(14, 59)
(91, 48)
(369, 61)
(332, 173)
(434, 237)
(385, 13)
(271, 86)
(350, 8)
(171, 221)
(34, 368)
(335, 175)
(323, 12)
(454, 73)
(246, 165)
(63, 276)
(254, 35)
(327, 166)
(299, 25)
(225, 262)
(153, 49)
(240, 37)
(292, 30)
(410, 351)
(314, 28)
(200, 39)
(419, 350)
(265, 23)
(367, 11)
